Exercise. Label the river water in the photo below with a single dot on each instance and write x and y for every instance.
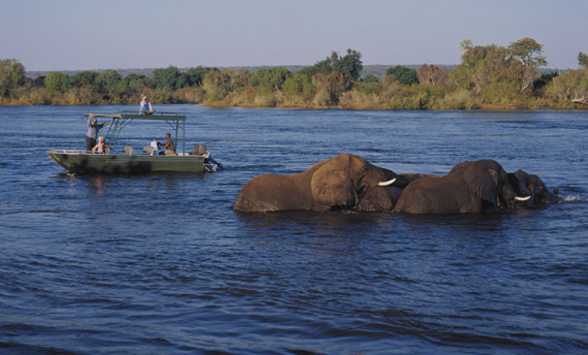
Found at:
(161, 264)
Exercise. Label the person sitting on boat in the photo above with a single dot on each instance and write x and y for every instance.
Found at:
(102, 146)
(146, 108)
(169, 143)
(93, 128)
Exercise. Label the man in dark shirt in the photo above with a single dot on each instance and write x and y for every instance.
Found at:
(93, 128)
(169, 143)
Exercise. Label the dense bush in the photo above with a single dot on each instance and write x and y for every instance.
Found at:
(488, 77)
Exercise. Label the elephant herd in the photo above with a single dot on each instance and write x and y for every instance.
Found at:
(350, 182)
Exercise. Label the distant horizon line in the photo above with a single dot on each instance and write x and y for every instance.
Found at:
(223, 67)
(37, 73)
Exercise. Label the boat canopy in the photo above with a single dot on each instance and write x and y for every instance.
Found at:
(176, 120)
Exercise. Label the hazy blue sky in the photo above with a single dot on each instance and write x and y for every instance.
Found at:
(111, 34)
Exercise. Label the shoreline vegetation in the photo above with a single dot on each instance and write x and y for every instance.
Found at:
(488, 78)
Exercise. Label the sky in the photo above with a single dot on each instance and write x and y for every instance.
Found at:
(121, 34)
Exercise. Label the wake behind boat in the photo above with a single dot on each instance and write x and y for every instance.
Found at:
(129, 161)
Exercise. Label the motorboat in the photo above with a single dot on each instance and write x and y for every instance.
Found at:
(126, 160)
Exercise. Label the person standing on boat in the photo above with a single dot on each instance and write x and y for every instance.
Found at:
(93, 128)
(146, 108)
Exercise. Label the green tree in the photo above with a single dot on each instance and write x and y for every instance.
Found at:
(139, 82)
(57, 81)
(12, 75)
(350, 65)
(466, 44)
(107, 82)
(571, 86)
(169, 79)
(195, 76)
(528, 51)
(218, 84)
(482, 66)
(322, 67)
(298, 87)
(272, 78)
(583, 60)
(85, 78)
(404, 75)
(372, 79)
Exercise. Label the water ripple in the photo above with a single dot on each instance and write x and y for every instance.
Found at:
(162, 264)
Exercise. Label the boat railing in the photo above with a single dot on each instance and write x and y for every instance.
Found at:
(78, 151)
(112, 152)
(175, 120)
(157, 115)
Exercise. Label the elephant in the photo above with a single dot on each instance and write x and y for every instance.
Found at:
(531, 184)
(384, 198)
(378, 199)
(470, 187)
(335, 183)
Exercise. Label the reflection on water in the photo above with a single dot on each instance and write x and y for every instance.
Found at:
(162, 264)
(98, 184)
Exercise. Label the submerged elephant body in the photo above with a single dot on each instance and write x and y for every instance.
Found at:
(350, 182)
(470, 187)
(335, 183)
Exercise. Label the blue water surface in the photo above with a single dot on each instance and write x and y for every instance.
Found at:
(161, 264)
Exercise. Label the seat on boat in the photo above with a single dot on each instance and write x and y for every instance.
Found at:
(128, 149)
(198, 150)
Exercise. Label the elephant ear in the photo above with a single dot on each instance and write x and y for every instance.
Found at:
(484, 185)
(332, 188)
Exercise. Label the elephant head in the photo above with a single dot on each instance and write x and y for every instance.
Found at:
(470, 187)
(334, 183)
(378, 199)
(531, 185)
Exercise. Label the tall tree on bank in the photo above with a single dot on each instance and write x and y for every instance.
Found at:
(12, 75)
(350, 65)
(528, 51)
(583, 60)
(483, 67)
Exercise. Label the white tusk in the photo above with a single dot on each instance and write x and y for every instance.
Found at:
(522, 198)
(386, 183)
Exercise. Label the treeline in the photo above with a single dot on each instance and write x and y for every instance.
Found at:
(488, 77)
